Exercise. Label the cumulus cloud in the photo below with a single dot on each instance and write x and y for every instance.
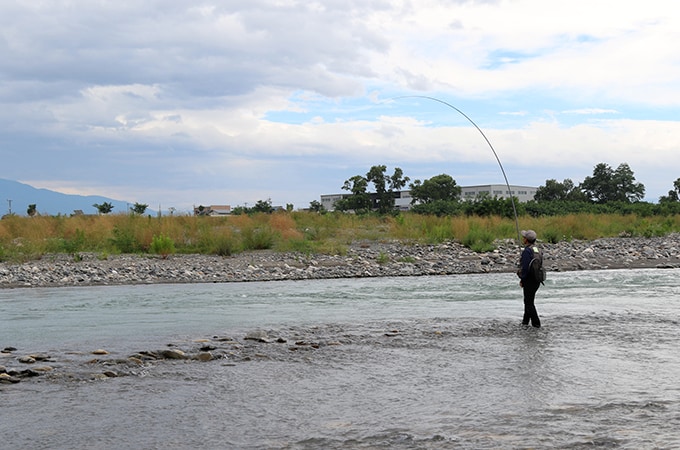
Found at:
(168, 101)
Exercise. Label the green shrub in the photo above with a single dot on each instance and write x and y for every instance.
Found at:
(439, 233)
(224, 246)
(551, 236)
(162, 245)
(479, 240)
(76, 243)
(258, 238)
(124, 240)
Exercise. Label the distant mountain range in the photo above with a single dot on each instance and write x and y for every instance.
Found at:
(20, 195)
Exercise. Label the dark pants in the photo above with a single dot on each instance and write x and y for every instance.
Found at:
(530, 313)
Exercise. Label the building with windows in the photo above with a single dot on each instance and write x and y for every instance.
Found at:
(328, 201)
(402, 199)
(522, 193)
(212, 210)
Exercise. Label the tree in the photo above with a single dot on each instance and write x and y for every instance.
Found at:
(104, 208)
(608, 185)
(316, 206)
(556, 191)
(599, 188)
(139, 208)
(386, 186)
(359, 200)
(32, 210)
(264, 206)
(438, 188)
(485, 205)
(384, 198)
(627, 190)
(673, 195)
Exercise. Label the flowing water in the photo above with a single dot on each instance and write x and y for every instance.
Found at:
(405, 363)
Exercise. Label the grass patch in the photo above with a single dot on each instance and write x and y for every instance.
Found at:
(383, 258)
(479, 240)
(25, 238)
(162, 245)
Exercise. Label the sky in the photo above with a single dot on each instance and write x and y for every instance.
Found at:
(185, 103)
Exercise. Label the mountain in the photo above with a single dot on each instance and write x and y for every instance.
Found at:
(50, 202)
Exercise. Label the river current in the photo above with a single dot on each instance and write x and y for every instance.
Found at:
(398, 363)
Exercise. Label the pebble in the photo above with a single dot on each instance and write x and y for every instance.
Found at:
(205, 356)
(362, 259)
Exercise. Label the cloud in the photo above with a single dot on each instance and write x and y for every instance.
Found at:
(172, 102)
(590, 111)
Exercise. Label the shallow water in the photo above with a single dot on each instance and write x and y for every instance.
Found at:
(409, 363)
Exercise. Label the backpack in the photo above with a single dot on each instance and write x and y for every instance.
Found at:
(536, 269)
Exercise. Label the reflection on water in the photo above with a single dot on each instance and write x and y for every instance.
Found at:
(437, 362)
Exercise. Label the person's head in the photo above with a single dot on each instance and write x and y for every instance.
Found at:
(529, 236)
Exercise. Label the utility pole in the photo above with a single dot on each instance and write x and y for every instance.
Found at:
(10, 206)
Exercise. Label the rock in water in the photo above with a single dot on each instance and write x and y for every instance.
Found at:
(173, 354)
(259, 336)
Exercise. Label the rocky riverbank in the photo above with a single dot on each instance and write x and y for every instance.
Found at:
(362, 259)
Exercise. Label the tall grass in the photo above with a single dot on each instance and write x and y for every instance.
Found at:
(23, 238)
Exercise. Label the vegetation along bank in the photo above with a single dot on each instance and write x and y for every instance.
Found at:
(598, 224)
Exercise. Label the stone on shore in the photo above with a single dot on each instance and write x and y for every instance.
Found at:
(361, 259)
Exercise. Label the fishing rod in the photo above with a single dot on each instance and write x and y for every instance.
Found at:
(507, 183)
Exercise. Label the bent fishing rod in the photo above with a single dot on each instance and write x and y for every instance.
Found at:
(507, 183)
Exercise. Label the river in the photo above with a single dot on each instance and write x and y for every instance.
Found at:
(380, 363)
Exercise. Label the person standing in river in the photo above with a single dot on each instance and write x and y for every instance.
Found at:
(527, 280)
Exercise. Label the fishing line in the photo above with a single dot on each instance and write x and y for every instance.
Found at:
(507, 183)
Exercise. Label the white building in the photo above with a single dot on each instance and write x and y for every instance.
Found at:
(328, 201)
(522, 193)
(403, 199)
(212, 210)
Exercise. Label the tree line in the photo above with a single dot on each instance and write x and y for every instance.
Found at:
(607, 190)
(102, 208)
